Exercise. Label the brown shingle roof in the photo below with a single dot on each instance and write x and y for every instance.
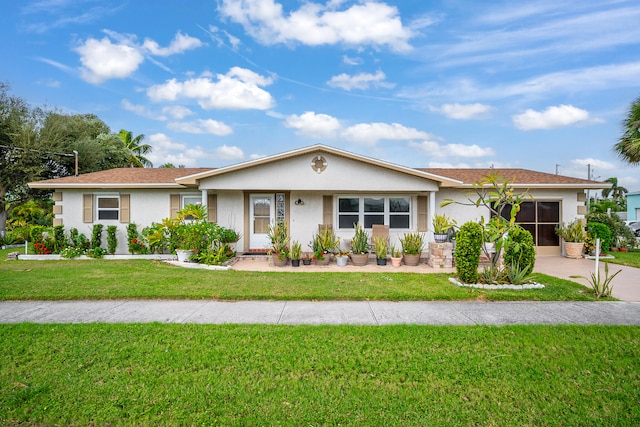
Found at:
(518, 177)
(139, 177)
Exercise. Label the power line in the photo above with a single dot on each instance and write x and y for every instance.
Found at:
(38, 151)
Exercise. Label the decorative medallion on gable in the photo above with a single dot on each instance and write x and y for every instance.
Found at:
(318, 163)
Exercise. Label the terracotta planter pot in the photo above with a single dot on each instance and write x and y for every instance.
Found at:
(411, 259)
(359, 259)
(324, 261)
(573, 249)
(279, 262)
(395, 262)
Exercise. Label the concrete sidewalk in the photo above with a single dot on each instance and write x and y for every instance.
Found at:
(316, 313)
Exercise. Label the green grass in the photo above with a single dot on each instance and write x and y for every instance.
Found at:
(140, 279)
(151, 374)
(631, 259)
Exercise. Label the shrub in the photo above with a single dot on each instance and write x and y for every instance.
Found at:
(468, 245)
(112, 239)
(519, 249)
(58, 238)
(135, 244)
(96, 236)
(602, 231)
(620, 233)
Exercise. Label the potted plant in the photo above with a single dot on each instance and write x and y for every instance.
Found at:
(342, 258)
(324, 244)
(381, 245)
(306, 258)
(412, 245)
(574, 237)
(360, 246)
(396, 256)
(441, 226)
(279, 238)
(296, 252)
(186, 231)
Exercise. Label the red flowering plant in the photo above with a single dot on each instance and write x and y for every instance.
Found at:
(43, 246)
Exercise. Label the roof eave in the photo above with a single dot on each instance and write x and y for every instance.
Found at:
(41, 186)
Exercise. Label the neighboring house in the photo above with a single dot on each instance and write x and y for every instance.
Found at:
(305, 188)
(633, 206)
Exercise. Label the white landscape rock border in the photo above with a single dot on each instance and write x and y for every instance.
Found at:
(494, 287)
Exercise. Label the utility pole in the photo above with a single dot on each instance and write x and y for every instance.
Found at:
(557, 166)
(75, 153)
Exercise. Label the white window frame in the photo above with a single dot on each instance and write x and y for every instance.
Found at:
(99, 209)
(387, 214)
(184, 197)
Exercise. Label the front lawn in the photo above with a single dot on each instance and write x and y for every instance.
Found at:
(143, 279)
(152, 374)
(631, 259)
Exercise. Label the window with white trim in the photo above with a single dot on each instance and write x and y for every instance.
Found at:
(108, 207)
(191, 200)
(392, 211)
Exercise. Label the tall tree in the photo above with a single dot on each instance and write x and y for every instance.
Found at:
(616, 191)
(628, 146)
(21, 159)
(136, 149)
(97, 148)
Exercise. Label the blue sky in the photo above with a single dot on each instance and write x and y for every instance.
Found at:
(452, 83)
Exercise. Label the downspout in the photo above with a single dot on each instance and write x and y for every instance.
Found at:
(432, 213)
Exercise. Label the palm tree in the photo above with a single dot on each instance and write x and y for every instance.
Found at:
(617, 192)
(628, 147)
(136, 150)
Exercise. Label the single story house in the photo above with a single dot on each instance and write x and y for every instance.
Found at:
(305, 188)
(633, 206)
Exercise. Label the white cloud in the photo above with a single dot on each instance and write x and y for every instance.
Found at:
(579, 168)
(314, 125)
(201, 126)
(239, 89)
(165, 150)
(463, 111)
(370, 133)
(436, 149)
(359, 81)
(351, 61)
(102, 60)
(180, 43)
(366, 23)
(228, 153)
(141, 110)
(552, 117)
(177, 111)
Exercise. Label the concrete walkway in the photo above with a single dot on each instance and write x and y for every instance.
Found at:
(626, 285)
(315, 313)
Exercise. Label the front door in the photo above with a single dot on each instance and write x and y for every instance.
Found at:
(262, 213)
